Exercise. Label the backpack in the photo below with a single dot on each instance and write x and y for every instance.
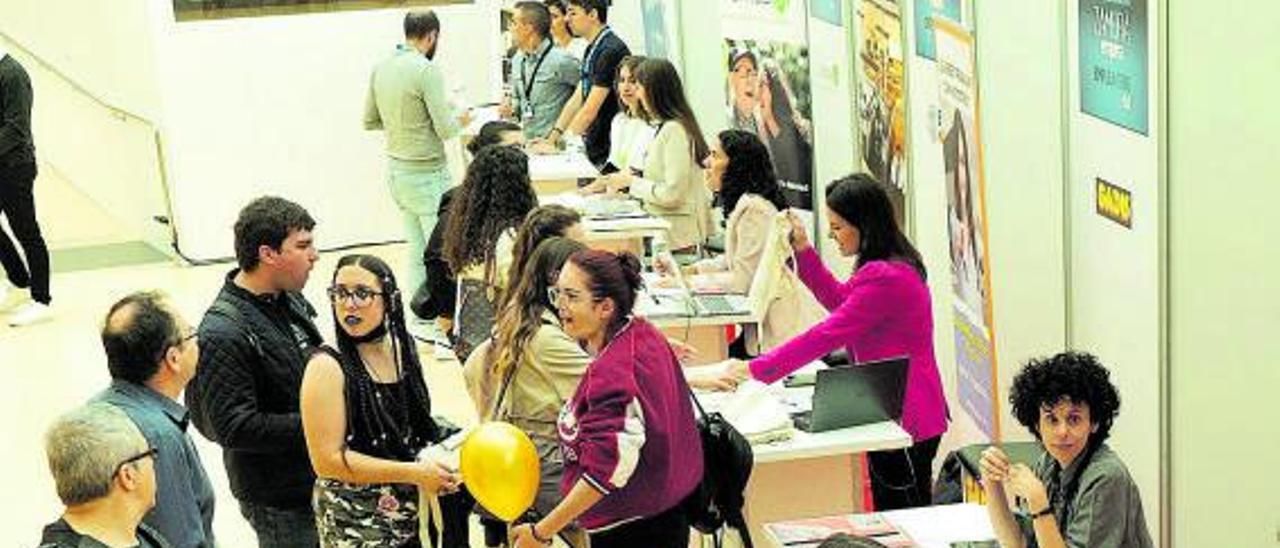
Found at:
(727, 460)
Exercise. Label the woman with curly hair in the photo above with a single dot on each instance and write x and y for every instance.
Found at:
(493, 200)
(1079, 493)
(739, 170)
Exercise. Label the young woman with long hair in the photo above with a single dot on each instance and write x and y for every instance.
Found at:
(366, 413)
(670, 185)
(882, 311)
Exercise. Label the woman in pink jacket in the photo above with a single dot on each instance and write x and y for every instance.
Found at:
(883, 311)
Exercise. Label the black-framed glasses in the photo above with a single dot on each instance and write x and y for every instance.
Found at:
(150, 452)
(361, 296)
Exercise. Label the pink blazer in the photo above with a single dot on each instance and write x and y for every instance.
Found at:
(883, 311)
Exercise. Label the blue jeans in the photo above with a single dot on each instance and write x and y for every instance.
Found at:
(281, 527)
(416, 192)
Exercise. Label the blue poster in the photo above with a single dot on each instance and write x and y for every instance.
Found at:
(827, 10)
(1113, 62)
(925, 11)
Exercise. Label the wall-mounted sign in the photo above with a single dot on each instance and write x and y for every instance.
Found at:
(1113, 61)
(1114, 203)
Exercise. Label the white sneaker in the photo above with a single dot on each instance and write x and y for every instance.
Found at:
(30, 313)
(14, 297)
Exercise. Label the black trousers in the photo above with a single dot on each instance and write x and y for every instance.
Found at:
(669, 529)
(902, 478)
(18, 206)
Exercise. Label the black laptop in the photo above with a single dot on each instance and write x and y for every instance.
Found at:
(855, 395)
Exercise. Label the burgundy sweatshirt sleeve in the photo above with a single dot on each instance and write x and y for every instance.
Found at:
(611, 431)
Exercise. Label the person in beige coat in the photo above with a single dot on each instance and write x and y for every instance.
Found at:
(671, 184)
(531, 367)
(738, 168)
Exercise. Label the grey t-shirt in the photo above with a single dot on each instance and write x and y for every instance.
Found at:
(1105, 508)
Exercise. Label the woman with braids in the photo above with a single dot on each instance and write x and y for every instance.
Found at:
(366, 414)
(739, 170)
(630, 444)
(1079, 493)
(479, 239)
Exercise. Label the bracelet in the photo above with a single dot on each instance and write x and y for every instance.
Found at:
(533, 530)
(1048, 511)
(555, 130)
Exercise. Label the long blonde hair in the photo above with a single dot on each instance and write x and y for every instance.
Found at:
(521, 318)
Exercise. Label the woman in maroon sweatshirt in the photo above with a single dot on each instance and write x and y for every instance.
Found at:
(630, 443)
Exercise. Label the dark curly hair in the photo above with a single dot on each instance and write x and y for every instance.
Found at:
(1070, 376)
(750, 171)
(494, 197)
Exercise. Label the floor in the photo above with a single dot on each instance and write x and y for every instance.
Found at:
(59, 364)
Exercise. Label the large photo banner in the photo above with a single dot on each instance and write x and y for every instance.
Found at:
(768, 93)
(961, 139)
(881, 89)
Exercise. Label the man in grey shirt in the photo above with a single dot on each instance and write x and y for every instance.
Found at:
(542, 76)
(407, 101)
(152, 354)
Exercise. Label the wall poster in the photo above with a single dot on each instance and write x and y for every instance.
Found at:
(1113, 61)
(881, 91)
(924, 14)
(967, 225)
(768, 93)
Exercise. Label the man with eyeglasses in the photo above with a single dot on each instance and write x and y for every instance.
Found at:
(151, 355)
(105, 474)
(254, 344)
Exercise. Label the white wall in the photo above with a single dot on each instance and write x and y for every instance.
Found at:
(274, 105)
(96, 101)
(1224, 294)
(1114, 305)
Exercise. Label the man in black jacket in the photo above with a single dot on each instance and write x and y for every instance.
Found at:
(254, 342)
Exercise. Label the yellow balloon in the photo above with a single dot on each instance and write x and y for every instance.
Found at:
(500, 468)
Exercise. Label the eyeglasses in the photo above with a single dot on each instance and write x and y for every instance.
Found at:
(150, 452)
(570, 296)
(361, 296)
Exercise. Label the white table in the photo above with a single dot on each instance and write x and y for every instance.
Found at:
(555, 173)
(928, 527)
(810, 474)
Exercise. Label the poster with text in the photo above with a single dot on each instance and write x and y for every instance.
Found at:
(881, 91)
(768, 93)
(1113, 61)
(967, 224)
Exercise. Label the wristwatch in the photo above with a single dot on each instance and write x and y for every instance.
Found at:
(1048, 511)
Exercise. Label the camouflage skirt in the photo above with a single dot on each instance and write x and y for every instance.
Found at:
(357, 516)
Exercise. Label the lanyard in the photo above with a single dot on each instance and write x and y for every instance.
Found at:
(591, 56)
(524, 74)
